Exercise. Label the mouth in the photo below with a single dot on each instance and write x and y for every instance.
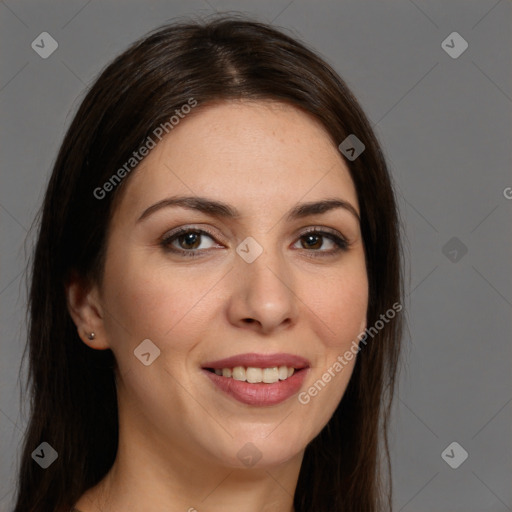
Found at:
(258, 379)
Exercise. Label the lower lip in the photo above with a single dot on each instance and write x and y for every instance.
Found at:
(259, 394)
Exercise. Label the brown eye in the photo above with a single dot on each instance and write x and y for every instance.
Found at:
(188, 242)
(323, 242)
(312, 241)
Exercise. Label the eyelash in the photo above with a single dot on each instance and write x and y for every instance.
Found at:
(340, 242)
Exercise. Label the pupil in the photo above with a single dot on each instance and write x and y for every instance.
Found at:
(312, 238)
(191, 239)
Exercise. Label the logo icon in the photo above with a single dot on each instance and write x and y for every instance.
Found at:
(454, 45)
(351, 147)
(147, 352)
(454, 250)
(249, 249)
(454, 455)
(44, 45)
(45, 455)
(249, 454)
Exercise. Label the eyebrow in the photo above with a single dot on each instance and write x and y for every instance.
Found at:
(224, 210)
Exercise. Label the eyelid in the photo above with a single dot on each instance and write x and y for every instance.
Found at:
(185, 229)
(323, 229)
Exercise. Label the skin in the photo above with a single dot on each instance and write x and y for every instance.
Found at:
(179, 434)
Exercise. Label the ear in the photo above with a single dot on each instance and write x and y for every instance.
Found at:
(85, 308)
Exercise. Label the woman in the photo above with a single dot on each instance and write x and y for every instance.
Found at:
(216, 287)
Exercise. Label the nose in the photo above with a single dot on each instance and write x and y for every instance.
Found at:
(263, 298)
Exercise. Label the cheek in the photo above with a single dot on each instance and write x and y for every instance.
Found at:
(340, 309)
(340, 304)
(154, 302)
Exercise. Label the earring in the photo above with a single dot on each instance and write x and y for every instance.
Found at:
(91, 336)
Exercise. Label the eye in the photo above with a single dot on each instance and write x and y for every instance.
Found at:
(317, 240)
(192, 242)
(187, 241)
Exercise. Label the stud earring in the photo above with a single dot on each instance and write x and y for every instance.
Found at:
(91, 336)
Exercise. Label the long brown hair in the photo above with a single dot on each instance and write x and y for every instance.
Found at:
(71, 386)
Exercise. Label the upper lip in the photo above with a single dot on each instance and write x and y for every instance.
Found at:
(259, 361)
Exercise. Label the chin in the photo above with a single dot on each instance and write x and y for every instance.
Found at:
(262, 453)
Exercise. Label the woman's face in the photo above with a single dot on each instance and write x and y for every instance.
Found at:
(253, 284)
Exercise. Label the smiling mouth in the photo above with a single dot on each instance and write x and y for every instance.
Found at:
(258, 380)
(254, 375)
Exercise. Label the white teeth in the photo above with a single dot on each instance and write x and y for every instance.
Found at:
(254, 375)
(238, 373)
(283, 372)
(270, 375)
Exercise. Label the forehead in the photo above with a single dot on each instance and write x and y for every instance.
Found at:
(248, 153)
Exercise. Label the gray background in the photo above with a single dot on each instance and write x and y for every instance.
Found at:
(445, 126)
